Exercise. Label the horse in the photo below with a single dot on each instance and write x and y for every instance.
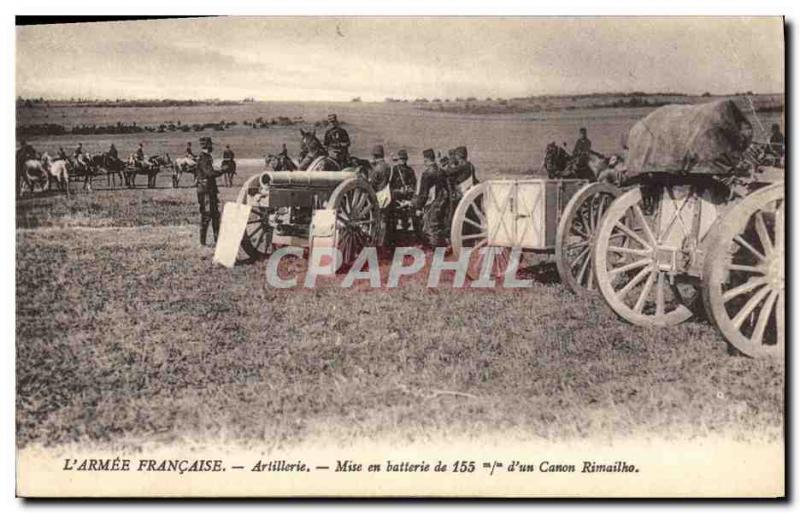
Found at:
(149, 167)
(183, 165)
(559, 164)
(81, 166)
(112, 166)
(57, 170)
(313, 155)
(280, 161)
(33, 172)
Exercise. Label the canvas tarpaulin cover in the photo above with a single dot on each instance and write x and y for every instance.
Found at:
(681, 139)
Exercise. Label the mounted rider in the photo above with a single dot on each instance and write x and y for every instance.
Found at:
(337, 141)
(61, 155)
(189, 153)
(112, 152)
(581, 152)
(207, 191)
(25, 152)
(138, 157)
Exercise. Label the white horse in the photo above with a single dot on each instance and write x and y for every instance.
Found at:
(57, 170)
(33, 172)
(183, 165)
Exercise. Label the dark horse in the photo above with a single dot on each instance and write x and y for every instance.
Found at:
(559, 164)
(149, 167)
(280, 161)
(112, 166)
(314, 156)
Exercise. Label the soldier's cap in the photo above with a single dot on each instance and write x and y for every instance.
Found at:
(402, 154)
(461, 151)
(428, 154)
(583, 130)
(332, 117)
(377, 150)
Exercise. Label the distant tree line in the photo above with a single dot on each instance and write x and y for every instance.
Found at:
(122, 102)
(51, 129)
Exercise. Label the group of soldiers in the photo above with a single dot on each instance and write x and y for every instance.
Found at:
(433, 197)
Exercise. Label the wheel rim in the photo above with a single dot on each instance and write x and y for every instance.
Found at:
(629, 266)
(257, 239)
(745, 279)
(357, 222)
(577, 234)
(471, 230)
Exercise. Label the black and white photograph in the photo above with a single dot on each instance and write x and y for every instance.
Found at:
(400, 256)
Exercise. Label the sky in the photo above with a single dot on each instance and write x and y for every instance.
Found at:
(336, 59)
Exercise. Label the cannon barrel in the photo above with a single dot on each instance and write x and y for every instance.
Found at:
(313, 179)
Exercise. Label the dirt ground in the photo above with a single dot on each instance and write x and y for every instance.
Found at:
(125, 330)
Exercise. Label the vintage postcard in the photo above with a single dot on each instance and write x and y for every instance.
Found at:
(400, 257)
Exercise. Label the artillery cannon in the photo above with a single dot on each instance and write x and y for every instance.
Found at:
(302, 208)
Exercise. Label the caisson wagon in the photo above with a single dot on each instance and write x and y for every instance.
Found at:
(702, 224)
(537, 215)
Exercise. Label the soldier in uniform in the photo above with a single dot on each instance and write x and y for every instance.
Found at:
(189, 153)
(402, 184)
(337, 141)
(777, 142)
(207, 191)
(581, 152)
(138, 157)
(78, 152)
(62, 155)
(112, 152)
(379, 174)
(460, 175)
(228, 160)
(25, 152)
(432, 201)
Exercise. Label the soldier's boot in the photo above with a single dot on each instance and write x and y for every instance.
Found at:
(215, 228)
(203, 232)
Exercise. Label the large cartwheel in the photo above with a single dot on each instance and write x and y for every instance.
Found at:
(358, 218)
(257, 240)
(744, 275)
(662, 248)
(638, 255)
(561, 220)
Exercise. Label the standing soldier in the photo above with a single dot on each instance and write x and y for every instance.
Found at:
(777, 143)
(337, 141)
(402, 184)
(460, 176)
(432, 201)
(379, 174)
(207, 192)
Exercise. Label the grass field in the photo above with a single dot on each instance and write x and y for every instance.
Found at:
(126, 331)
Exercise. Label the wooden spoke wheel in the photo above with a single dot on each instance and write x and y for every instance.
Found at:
(470, 230)
(358, 218)
(632, 269)
(257, 240)
(575, 237)
(743, 286)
